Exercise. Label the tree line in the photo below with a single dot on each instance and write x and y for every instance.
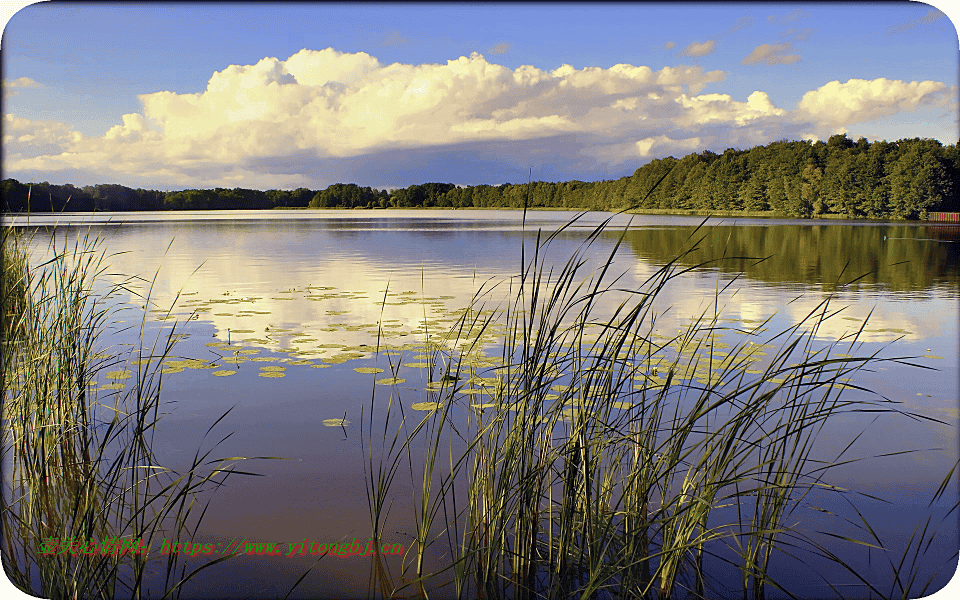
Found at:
(906, 179)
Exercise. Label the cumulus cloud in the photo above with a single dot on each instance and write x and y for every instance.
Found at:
(721, 108)
(860, 100)
(697, 49)
(23, 138)
(632, 151)
(669, 45)
(10, 87)
(501, 48)
(325, 116)
(931, 16)
(132, 130)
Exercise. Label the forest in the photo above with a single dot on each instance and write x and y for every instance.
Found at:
(899, 180)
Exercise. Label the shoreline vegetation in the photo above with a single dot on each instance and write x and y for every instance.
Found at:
(836, 179)
(83, 491)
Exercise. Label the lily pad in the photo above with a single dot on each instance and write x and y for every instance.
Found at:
(118, 374)
(335, 422)
(200, 365)
(273, 368)
(224, 373)
(390, 381)
(272, 374)
(368, 370)
(427, 406)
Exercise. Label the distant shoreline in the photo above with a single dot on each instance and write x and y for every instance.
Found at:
(840, 179)
(638, 212)
(746, 214)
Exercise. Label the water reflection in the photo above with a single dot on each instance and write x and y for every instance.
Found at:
(879, 258)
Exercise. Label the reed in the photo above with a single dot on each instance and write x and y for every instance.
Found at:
(81, 476)
(599, 459)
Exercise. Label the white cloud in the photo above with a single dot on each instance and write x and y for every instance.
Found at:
(721, 108)
(325, 116)
(860, 100)
(22, 82)
(10, 87)
(132, 130)
(23, 138)
(646, 148)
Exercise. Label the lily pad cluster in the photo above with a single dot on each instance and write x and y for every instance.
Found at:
(460, 350)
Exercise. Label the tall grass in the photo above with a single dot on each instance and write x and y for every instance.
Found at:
(78, 460)
(597, 458)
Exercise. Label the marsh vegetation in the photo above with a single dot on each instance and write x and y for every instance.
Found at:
(596, 458)
(84, 496)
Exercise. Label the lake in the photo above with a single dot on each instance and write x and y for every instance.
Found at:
(277, 311)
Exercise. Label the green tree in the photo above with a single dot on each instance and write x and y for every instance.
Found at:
(753, 194)
(810, 201)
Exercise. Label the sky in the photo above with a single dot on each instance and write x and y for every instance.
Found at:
(282, 96)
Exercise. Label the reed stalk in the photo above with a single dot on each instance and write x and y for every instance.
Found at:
(81, 476)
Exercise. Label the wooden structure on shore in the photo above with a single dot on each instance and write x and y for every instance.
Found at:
(944, 217)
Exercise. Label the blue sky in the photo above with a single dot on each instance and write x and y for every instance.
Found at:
(172, 96)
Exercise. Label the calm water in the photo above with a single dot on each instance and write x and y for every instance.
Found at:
(305, 291)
